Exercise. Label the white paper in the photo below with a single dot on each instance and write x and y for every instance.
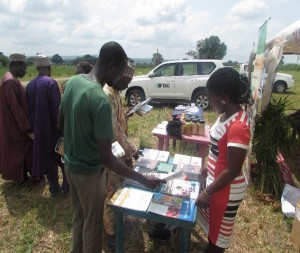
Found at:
(289, 199)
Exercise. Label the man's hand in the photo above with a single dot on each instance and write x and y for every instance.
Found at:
(153, 182)
(203, 199)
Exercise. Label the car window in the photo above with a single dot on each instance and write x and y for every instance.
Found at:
(205, 68)
(189, 69)
(165, 70)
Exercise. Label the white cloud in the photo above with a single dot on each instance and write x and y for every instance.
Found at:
(171, 26)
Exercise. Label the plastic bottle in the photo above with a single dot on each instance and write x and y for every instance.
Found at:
(187, 128)
(201, 128)
(194, 127)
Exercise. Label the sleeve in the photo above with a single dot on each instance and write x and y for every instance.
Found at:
(101, 116)
(238, 135)
(10, 93)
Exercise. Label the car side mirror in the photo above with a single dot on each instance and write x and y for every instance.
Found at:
(152, 75)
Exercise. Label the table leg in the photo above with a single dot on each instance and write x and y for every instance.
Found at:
(202, 151)
(119, 221)
(160, 143)
(167, 144)
(184, 240)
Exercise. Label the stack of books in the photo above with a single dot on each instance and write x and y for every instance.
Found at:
(176, 198)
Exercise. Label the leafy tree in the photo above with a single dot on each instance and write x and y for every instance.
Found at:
(57, 59)
(3, 60)
(88, 58)
(209, 48)
(157, 58)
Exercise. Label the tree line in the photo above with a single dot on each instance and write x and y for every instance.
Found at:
(208, 48)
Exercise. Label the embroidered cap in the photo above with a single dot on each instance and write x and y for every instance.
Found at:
(42, 60)
(129, 71)
(17, 58)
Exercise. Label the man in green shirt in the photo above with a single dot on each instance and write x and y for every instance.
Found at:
(85, 119)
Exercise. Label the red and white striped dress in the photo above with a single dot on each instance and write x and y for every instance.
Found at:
(218, 219)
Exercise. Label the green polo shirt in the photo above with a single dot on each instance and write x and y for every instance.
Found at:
(87, 118)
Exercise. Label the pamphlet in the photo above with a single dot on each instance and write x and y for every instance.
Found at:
(141, 108)
(132, 198)
(163, 156)
(146, 163)
(192, 172)
(117, 149)
(172, 206)
(181, 188)
(181, 159)
(196, 161)
(150, 153)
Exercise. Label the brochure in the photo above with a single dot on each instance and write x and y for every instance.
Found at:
(181, 159)
(141, 108)
(132, 198)
(163, 156)
(172, 206)
(192, 172)
(150, 153)
(146, 163)
(117, 149)
(181, 188)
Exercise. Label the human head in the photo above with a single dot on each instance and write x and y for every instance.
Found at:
(43, 64)
(125, 79)
(111, 63)
(83, 67)
(18, 64)
(226, 86)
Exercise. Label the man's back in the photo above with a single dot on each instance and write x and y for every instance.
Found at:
(87, 118)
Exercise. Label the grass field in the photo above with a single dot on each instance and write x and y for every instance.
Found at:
(32, 221)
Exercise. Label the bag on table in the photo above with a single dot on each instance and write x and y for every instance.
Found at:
(174, 128)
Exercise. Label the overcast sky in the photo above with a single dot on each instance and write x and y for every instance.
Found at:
(73, 27)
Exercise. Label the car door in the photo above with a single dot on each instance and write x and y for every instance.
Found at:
(186, 80)
(161, 84)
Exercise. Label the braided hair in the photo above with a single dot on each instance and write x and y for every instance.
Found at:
(228, 81)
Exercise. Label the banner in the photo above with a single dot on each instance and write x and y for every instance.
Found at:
(256, 78)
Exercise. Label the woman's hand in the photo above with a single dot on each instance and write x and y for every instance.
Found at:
(203, 199)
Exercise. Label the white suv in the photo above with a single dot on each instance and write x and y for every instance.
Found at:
(176, 81)
(281, 83)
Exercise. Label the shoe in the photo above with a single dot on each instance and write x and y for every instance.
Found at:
(111, 241)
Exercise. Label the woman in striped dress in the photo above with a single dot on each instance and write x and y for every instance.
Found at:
(226, 185)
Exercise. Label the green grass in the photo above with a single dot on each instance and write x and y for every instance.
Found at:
(32, 221)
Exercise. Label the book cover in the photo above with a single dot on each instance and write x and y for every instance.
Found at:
(150, 153)
(144, 110)
(132, 198)
(139, 106)
(181, 159)
(165, 167)
(172, 206)
(181, 188)
(163, 156)
(192, 172)
(146, 163)
(196, 161)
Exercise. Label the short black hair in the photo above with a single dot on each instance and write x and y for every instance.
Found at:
(228, 81)
(112, 52)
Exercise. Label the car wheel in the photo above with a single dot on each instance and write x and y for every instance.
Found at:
(201, 99)
(134, 97)
(279, 87)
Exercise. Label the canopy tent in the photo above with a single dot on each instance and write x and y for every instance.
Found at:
(286, 41)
